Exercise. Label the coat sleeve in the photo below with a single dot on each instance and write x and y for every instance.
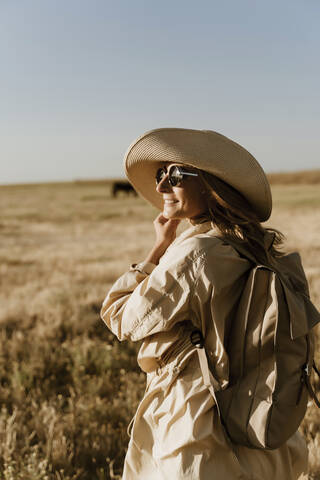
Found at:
(149, 299)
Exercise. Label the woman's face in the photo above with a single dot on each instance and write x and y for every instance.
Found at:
(184, 200)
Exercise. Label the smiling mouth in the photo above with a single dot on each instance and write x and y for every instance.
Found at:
(170, 202)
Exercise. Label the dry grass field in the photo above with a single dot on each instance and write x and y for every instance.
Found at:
(68, 388)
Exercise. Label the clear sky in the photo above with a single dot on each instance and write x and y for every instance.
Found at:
(81, 79)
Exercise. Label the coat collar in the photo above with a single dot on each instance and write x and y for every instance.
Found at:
(195, 229)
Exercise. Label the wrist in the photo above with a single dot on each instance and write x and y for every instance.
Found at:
(156, 253)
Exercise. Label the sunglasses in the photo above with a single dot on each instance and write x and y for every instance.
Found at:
(175, 175)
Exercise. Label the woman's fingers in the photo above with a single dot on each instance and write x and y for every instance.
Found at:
(165, 228)
(165, 234)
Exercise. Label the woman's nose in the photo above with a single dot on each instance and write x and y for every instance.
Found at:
(164, 185)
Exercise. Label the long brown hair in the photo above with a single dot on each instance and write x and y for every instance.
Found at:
(235, 219)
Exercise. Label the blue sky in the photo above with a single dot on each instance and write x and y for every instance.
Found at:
(80, 80)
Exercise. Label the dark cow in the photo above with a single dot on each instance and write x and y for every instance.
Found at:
(125, 187)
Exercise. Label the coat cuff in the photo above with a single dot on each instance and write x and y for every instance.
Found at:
(143, 267)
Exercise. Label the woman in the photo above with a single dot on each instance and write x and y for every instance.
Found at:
(193, 281)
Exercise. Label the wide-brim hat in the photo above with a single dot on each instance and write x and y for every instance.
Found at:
(203, 149)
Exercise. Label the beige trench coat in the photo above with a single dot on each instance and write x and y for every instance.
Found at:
(176, 432)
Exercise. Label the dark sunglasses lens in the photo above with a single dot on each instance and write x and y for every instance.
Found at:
(175, 176)
(160, 175)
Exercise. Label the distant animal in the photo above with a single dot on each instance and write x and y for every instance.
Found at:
(125, 187)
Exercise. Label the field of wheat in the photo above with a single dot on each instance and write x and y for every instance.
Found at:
(68, 388)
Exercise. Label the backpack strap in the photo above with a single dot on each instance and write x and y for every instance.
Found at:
(306, 375)
(210, 382)
(197, 340)
(213, 385)
(315, 369)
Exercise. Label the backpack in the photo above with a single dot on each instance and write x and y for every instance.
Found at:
(270, 349)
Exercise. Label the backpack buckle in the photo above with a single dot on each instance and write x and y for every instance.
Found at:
(197, 339)
(306, 370)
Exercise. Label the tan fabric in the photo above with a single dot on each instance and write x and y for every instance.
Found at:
(176, 433)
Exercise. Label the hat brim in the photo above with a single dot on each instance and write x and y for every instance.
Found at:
(203, 149)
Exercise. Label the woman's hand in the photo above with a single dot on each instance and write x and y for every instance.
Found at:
(166, 230)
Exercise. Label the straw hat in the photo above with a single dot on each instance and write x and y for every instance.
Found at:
(203, 149)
